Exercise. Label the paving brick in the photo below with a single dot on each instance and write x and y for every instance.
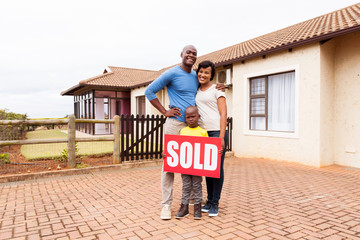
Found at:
(35, 236)
(261, 199)
(260, 233)
(74, 234)
(226, 236)
(328, 232)
(6, 234)
(243, 235)
(334, 237)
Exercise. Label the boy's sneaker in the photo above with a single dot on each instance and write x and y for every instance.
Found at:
(214, 210)
(206, 207)
(165, 212)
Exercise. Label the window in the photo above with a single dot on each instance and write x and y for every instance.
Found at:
(140, 105)
(272, 103)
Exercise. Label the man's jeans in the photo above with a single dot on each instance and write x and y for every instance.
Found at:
(172, 127)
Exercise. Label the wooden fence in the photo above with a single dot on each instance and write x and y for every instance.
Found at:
(135, 137)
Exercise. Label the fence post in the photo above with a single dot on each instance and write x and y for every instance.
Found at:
(71, 141)
(116, 154)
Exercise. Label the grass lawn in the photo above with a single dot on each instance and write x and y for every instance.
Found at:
(51, 150)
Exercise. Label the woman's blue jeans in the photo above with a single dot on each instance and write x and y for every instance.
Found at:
(214, 185)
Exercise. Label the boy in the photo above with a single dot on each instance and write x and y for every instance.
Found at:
(191, 182)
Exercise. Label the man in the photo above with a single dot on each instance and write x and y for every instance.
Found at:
(182, 84)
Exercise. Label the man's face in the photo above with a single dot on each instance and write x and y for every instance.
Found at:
(188, 56)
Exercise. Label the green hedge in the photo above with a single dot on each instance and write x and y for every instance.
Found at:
(9, 132)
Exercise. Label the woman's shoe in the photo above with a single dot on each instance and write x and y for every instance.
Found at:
(206, 207)
(214, 210)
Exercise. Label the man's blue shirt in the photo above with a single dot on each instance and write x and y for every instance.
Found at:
(181, 87)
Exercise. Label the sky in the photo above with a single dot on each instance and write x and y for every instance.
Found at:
(48, 46)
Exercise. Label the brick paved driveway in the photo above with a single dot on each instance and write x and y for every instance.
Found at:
(261, 199)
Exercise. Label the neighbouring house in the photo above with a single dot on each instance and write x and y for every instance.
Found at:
(293, 94)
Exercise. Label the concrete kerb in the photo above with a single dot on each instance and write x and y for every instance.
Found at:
(68, 172)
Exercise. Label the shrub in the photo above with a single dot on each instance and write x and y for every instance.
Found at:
(4, 158)
(65, 153)
(82, 165)
(11, 132)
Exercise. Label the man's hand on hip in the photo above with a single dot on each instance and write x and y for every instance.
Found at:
(173, 112)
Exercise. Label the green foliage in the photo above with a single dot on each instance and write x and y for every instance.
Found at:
(82, 165)
(5, 115)
(4, 158)
(11, 132)
(64, 157)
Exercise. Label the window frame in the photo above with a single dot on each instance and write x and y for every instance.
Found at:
(248, 96)
(258, 96)
(138, 102)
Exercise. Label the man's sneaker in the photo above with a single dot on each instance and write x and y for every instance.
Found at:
(214, 210)
(165, 212)
(206, 207)
(197, 211)
(183, 211)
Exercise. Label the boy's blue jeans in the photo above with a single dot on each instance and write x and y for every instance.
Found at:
(214, 185)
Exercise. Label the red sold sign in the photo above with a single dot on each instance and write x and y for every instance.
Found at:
(192, 155)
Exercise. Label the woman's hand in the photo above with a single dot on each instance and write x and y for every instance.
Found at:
(222, 146)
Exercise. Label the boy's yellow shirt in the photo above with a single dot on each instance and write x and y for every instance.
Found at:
(198, 131)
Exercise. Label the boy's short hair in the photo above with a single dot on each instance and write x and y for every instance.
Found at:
(189, 107)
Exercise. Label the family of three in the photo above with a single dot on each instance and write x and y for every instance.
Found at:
(197, 108)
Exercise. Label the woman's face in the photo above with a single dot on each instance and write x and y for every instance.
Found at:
(204, 75)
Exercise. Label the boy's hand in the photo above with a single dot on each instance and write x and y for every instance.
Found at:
(163, 155)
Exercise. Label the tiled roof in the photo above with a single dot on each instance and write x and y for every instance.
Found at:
(320, 28)
(122, 77)
(316, 29)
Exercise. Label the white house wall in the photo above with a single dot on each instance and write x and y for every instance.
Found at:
(137, 92)
(327, 85)
(149, 109)
(303, 145)
(347, 100)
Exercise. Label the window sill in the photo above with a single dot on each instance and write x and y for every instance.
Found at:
(271, 134)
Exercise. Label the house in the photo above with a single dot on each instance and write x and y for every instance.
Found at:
(293, 93)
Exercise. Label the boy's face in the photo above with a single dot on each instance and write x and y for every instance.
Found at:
(192, 117)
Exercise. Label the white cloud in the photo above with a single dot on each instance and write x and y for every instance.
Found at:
(49, 46)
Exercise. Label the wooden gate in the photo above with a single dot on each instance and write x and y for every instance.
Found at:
(144, 138)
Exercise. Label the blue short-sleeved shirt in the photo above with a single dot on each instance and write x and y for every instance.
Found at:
(181, 87)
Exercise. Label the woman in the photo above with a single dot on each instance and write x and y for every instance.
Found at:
(212, 108)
